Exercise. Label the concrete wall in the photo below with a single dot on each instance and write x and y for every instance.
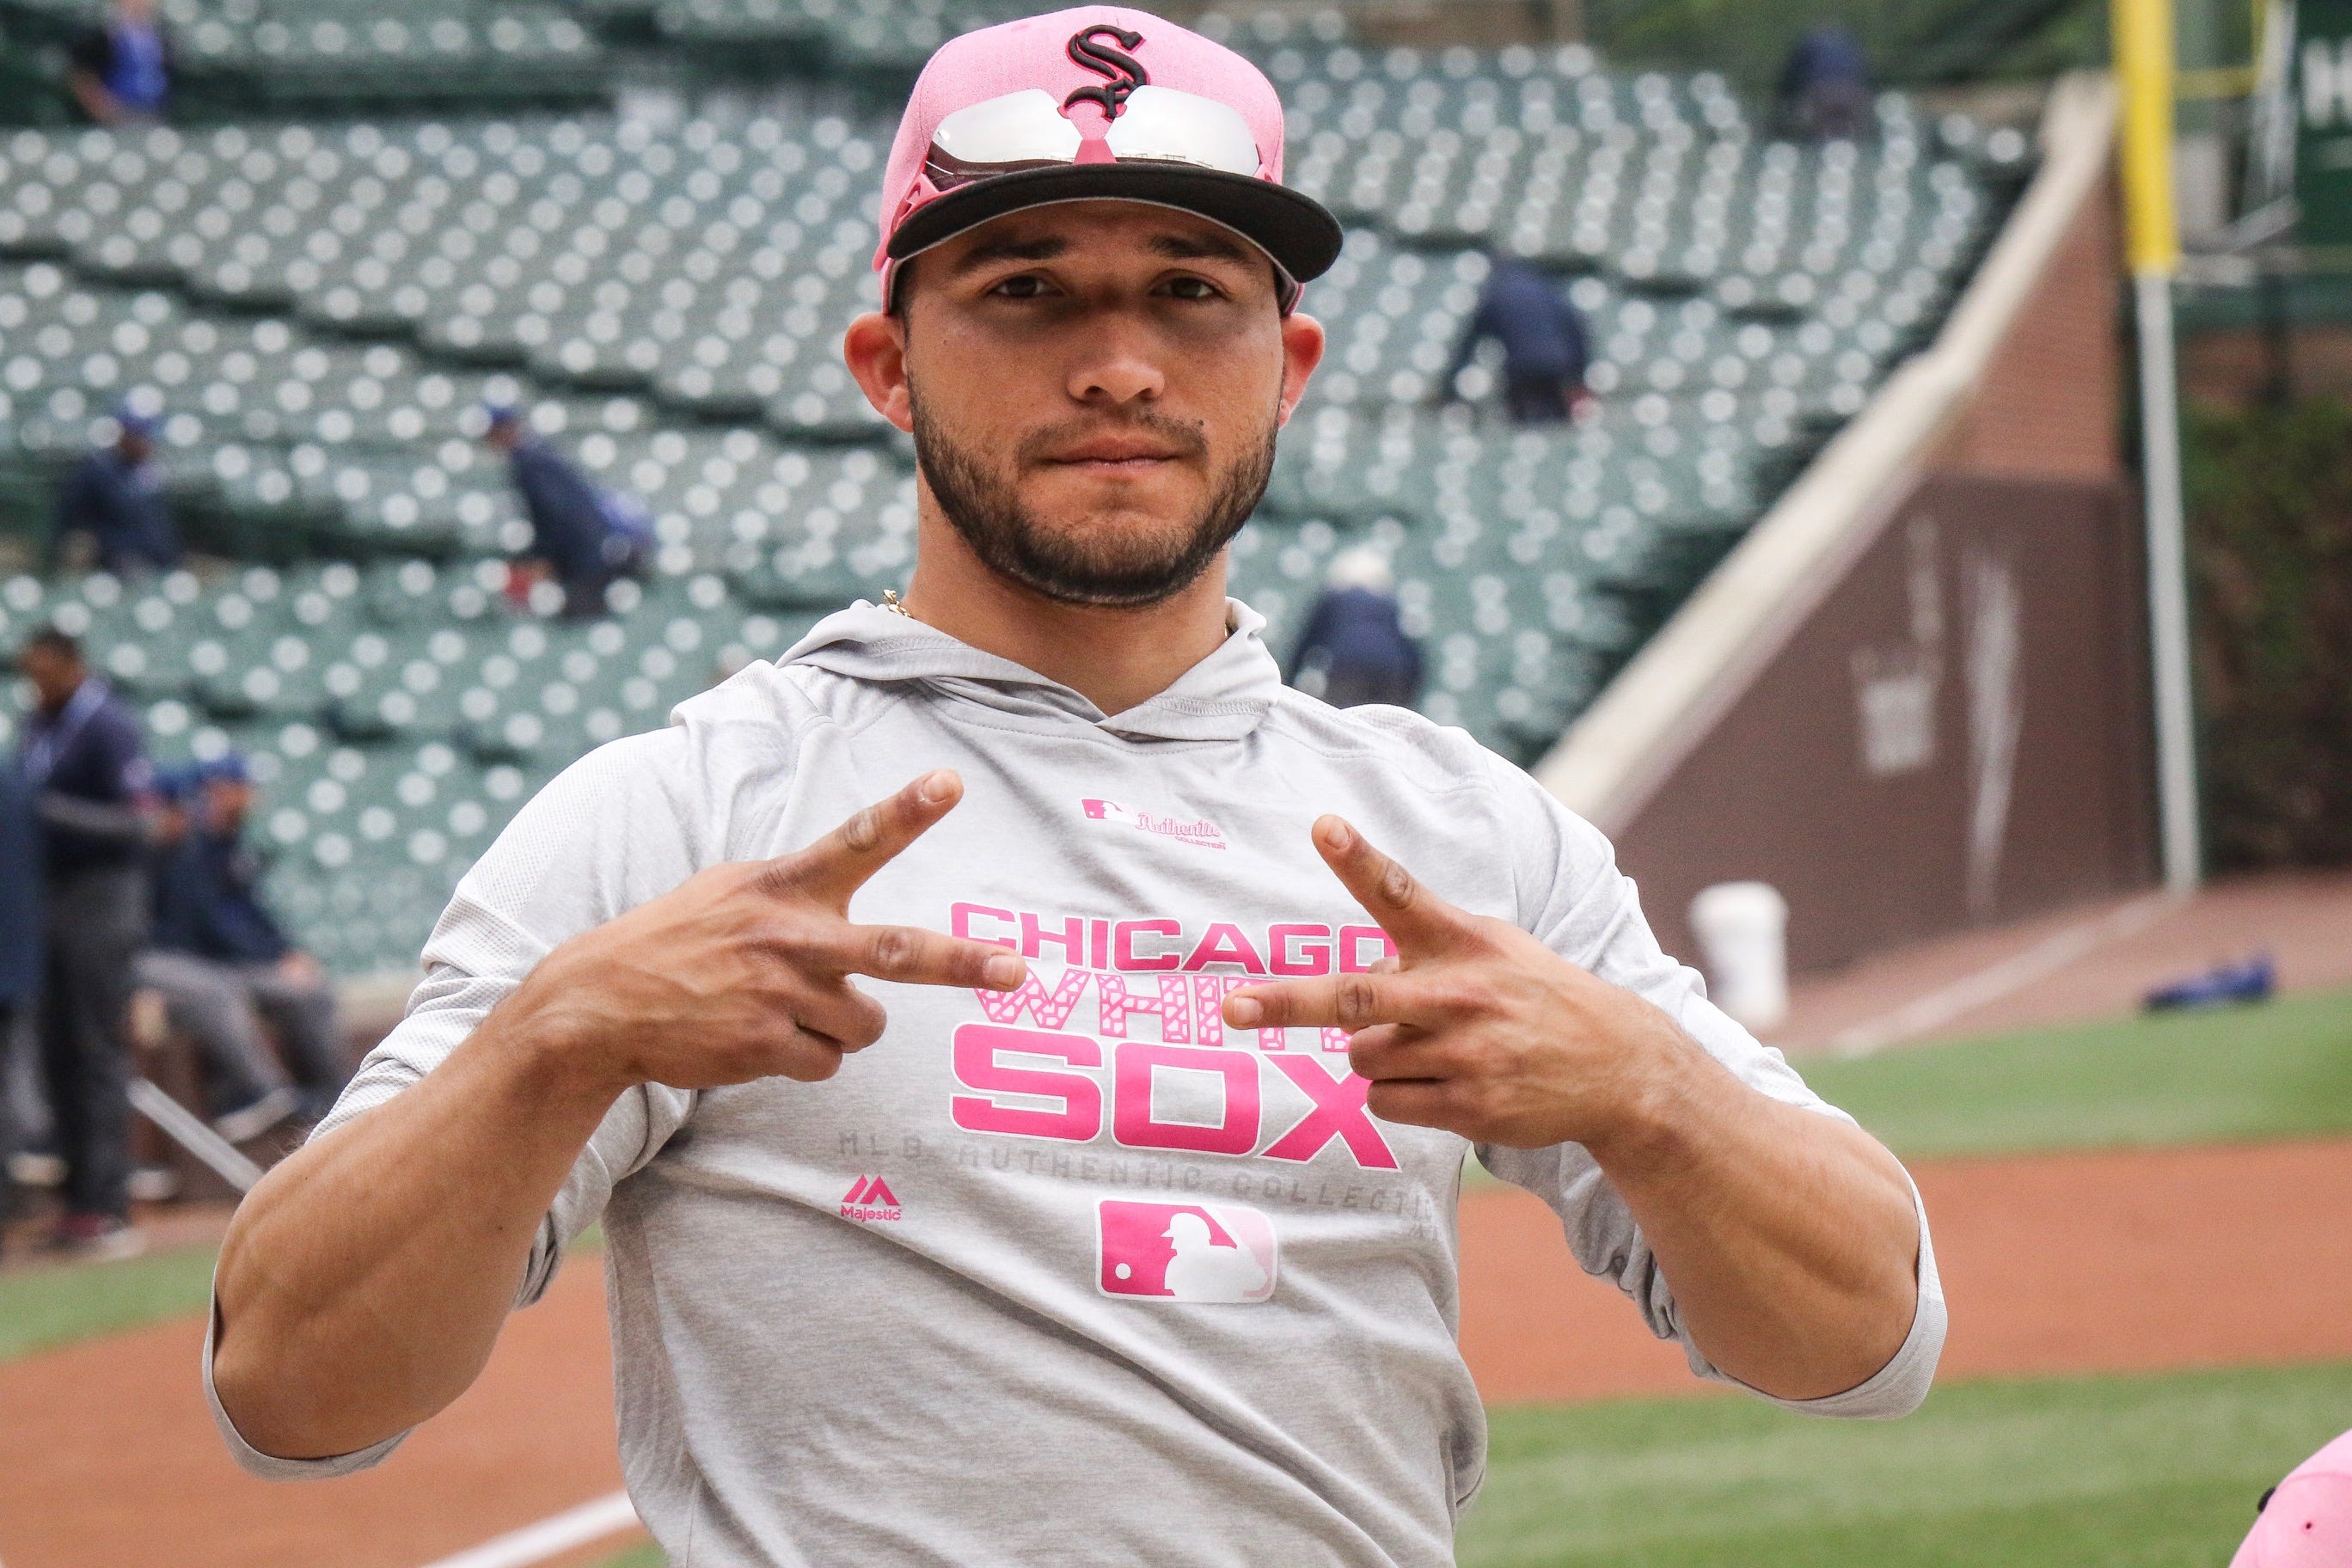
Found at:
(1956, 735)
(1914, 699)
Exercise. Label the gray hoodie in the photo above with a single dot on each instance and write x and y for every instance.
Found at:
(1077, 1275)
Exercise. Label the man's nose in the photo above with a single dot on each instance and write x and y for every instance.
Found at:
(1118, 365)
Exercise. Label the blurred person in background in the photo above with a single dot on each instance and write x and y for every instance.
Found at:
(206, 1000)
(581, 536)
(83, 761)
(1544, 340)
(115, 495)
(1354, 636)
(20, 950)
(222, 962)
(121, 65)
(1824, 93)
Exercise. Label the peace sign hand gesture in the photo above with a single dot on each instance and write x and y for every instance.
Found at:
(743, 971)
(1475, 1026)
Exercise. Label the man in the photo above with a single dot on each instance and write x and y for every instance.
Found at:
(218, 958)
(87, 768)
(120, 71)
(116, 496)
(1824, 89)
(1544, 343)
(923, 1313)
(578, 534)
(20, 951)
(1355, 637)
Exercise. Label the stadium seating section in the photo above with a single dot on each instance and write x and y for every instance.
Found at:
(319, 308)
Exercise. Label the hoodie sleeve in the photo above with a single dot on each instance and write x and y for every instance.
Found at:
(611, 832)
(1574, 898)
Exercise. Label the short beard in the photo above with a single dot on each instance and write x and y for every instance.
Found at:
(984, 508)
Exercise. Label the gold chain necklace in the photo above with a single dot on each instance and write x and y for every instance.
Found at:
(890, 603)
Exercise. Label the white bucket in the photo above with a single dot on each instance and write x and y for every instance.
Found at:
(1743, 933)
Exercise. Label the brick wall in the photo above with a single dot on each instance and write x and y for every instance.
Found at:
(2050, 407)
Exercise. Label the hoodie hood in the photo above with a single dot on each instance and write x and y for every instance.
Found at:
(1223, 697)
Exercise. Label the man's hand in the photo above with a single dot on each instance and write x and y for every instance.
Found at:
(742, 972)
(1790, 1236)
(1476, 1026)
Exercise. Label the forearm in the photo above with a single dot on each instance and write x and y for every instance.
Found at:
(1789, 1238)
(95, 100)
(116, 824)
(365, 1280)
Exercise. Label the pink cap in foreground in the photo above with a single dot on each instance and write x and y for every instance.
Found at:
(2307, 1523)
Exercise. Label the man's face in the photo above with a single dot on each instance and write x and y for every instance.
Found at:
(55, 676)
(133, 445)
(226, 801)
(1094, 389)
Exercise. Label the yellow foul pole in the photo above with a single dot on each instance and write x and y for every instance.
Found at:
(2144, 78)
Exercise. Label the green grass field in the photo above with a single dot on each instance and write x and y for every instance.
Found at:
(2279, 1070)
(2138, 1472)
(46, 1305)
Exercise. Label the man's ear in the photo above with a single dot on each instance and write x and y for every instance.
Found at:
(1302, 350)
(875, 349)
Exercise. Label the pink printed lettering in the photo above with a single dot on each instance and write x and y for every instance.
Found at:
(960, 918)
(1350, 937)
(1123, 935)
(1339, 1112)
(1226, 944)
(976, 1067)
(1173, 1006)
(1134, 1123)
(1313, 959)
(1051, 1012)
(1034, 936)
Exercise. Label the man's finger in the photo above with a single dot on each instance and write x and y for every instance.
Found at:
(917, 957)
(839, 1013)
(1417, 919)
(1332, 1001)
(1420, 1102)
(838, 864)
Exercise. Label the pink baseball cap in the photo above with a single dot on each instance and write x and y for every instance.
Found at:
(1093, 103)
(2306, 1520)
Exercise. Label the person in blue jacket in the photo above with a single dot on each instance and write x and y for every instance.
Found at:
(116, 496)
(84, 764)
(580, 536)
(1355, 637)
(120, 67)
(20, 944)
(215, 934)
(247, 1088)
(1545, 343)
(1824, 88)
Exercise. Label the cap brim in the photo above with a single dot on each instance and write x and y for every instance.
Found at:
(1294, 230)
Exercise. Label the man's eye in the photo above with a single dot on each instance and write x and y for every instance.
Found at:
(1025, 285)
(1192, 288)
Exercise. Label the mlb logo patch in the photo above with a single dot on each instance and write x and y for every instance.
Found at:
(1184, 1252)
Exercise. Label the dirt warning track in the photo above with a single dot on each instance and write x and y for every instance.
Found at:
(2125, 1261)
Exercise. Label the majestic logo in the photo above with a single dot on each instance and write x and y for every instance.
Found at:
(870, 1198)
(1203, 833)
(1121, 71)
(1184, 1252)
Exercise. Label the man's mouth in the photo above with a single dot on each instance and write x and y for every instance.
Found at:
(1124, 452)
